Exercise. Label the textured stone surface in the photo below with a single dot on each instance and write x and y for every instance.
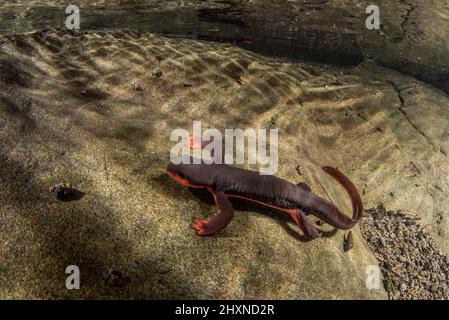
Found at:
(70, 112)
(413, 38)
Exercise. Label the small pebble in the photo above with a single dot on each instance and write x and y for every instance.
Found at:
(65, 192)
(136, 86)
(348, 242)
(113, 278)
(157, 73)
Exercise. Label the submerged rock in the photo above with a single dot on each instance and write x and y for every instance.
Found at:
(134, 212)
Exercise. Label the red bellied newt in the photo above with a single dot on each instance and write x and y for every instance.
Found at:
(225, 182)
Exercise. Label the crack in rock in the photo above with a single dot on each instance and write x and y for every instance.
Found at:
(401, 109)
(406, 17)
(371, 123)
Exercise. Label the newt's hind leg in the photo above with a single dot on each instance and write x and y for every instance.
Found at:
(220, 221)
(305, 224)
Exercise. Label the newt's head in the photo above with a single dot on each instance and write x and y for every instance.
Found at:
(191, 175)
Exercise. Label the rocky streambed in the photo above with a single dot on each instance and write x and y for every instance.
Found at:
(412, 265)
(95, 109)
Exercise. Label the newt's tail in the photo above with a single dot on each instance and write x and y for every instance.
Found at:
(329, 213)
(356, 200)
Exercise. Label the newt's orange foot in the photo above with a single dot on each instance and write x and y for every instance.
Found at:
(199, 226)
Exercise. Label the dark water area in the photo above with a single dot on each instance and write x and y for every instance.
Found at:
(243, 23)
(410, 38)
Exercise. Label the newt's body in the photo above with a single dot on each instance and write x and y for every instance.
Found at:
(225, 182)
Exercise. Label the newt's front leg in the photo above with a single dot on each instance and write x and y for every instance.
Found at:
(220, 221)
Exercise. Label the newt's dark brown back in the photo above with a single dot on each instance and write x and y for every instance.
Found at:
(272, 190)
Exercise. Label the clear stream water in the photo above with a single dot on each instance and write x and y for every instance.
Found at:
(173, 17)
(281, 28)
(326, 31)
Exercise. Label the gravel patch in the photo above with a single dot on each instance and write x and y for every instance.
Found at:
(412, 266)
